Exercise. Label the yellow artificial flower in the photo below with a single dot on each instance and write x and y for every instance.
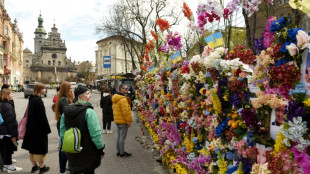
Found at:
(216, 103)
(279, 146)
(307, 102)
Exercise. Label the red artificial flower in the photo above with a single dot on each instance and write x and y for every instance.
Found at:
(246, 55)
(147, 58)
(226, 13)
(284, 75)
(154, 35)
(141, 58)
(187, 11)
(163, 24)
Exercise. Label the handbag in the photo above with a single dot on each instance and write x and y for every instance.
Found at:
(22, 125)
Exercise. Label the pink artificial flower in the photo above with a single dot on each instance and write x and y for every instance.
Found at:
(268, 37)
(283, 91)
(243, 74)
(303, 158)
(302, 39)
(207, 50)
(292, 49)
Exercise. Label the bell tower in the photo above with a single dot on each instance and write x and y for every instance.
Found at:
(40, 35)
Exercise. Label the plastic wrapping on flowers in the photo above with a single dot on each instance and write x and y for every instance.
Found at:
(201, 115)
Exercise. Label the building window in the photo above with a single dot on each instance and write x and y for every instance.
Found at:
(6, 30)
(283, 2)
(54, 62)
(59, 63)
(27, 61)
(49, 62)
(26, 65)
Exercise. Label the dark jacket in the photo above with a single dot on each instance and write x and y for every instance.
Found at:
(89, 158)
(64, 101)
(106, 105)
(10, 125)
(37, 127)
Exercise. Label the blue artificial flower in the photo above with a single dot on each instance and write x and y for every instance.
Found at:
(283, 48)
(282, 61)
(249, 136)
(240, 79)
(207, 113)
(199, 146)
(291, 33)
(231, 169)
(220, 129)
(277, 25)
(229, 155)
(183, 148)
(299, 89)
(208, 74)
(216, 150)
(195, 140)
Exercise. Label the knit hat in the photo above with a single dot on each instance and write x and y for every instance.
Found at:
(79, 90)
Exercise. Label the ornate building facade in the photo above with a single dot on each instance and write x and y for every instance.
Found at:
(11, 49)
(49, 62)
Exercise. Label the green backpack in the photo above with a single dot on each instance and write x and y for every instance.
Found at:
(72, 141)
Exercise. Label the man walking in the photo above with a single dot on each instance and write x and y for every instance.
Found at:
(122, 118)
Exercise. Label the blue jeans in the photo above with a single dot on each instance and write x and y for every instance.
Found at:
(121, 137)
(61, 154)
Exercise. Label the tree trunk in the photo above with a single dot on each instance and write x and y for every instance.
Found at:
(247, 27)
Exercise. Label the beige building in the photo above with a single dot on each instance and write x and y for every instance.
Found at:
(120, 60)
(49, 62)
(11, 53)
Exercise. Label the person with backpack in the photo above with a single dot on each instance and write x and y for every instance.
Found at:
(84, 120)
(65, 97)
(37, 130)
(8, 131)
(107, 112)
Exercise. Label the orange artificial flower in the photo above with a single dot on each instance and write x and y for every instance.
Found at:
(154, 35)
(152, 44)
(187, 11)
(163, 24)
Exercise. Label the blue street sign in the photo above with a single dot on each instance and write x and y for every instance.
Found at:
(106, 61)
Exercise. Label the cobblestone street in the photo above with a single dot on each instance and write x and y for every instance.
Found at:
(141, 161)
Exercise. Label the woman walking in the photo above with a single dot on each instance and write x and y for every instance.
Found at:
(107, 112)
(37, 130)
(8, 131)
(65, 97)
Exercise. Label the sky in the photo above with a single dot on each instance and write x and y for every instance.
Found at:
(76, 21)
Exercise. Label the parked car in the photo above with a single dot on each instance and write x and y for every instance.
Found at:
(28, 90)
(15, 88)
(48, 86)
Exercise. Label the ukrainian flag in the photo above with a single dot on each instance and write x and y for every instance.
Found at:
(215, 40)
(176, 57)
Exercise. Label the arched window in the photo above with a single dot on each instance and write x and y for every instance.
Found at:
(27, 61)
(49, 62)
(59, 63)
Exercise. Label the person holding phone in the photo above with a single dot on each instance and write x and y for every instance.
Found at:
(8, 131)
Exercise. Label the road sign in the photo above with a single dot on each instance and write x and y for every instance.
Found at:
(106, 61)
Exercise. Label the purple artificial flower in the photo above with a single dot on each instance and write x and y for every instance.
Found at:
(294, 110)
(268, 36)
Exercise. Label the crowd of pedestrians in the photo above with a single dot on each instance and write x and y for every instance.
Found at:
(72, 109)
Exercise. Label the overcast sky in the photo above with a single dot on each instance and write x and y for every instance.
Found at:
(75, 19)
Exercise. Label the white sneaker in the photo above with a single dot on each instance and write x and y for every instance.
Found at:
(12, 169)
(109, 132)
(104, 131)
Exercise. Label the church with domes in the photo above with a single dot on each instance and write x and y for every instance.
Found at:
(49, 62)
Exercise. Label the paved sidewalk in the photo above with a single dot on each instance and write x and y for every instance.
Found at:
(141, 161)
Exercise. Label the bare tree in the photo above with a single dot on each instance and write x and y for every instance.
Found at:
(189, 40)
(84, 69)
(132, 21)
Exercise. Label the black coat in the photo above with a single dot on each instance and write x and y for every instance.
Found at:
(89, 158)
(106, 105)
(37, 127)
(9, 126)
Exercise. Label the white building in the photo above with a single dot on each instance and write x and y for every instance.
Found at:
(120, 60)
